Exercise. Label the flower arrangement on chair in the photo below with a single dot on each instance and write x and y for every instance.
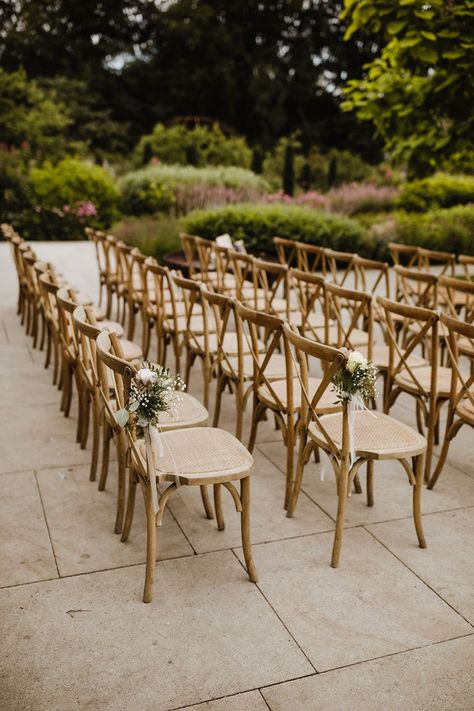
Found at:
(152, 390)
(354, 384)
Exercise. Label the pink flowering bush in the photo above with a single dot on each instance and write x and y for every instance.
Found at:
(310, 199)
(353, 198)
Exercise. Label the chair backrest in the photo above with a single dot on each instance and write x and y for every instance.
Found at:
(192, 300)
(311, 258)
(241, 265)
(205, 254)
(462, 384)
(351, 311)
(458, 297)
(188, 243)
(312, 314)
(299, 352)
(419, 330)
(286, 251)
(270, 280)
(467, 263)
(67, 304)
(416, 288)
(340, 265)
(220, 311)
(250, 325)
(404, 254)
(372, 276)
(221, 263)
(443, 262)
(49, 288)
(122, 374)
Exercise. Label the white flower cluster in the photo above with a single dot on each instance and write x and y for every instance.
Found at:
(356, 360)
(146, 376)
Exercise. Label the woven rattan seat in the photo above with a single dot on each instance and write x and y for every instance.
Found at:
(423, 376)
(196, 324)
(380, 357)
(131, 351)
(186, 411)
(112, 326)
(327, 402)
(275, 369)
(200, 455)
(376, 436)
(465, 409)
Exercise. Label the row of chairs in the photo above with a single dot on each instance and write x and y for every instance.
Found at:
(94, 355)
(253, 351)
(319, 308)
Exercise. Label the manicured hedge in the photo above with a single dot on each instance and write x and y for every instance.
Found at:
(258, 224)
(450, 230)
(440, 190)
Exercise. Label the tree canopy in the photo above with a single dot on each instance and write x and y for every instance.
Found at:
(264, 68)
(419, 92)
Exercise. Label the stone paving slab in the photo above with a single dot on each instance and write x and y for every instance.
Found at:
(26, 553)
(89, 642)
(370, 606)
(450, 534)
(81, 522)
(435, 678)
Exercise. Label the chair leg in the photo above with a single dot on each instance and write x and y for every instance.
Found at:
(245, 527)
(150, 547)
(95, 437)
(430, 435)
(370, 482)
(451, 431)
(302, 454)
(131, 321)
(218, 507)
(206, 502)
(417, 489)
(290, 462)
(220, 386)
(107, 435)
(357, 485)
(121, 474)
(341, 513)
(132, 490)
(258, 411)
(47, 360)
(86, 407)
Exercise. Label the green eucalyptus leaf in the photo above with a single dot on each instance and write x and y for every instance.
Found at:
(122, 417)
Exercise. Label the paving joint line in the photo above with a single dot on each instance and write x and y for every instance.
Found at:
(46, 522)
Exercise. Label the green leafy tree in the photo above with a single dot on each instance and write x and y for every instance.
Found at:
(419, 92)
(30, 117)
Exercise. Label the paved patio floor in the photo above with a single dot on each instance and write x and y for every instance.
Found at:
(390, 629)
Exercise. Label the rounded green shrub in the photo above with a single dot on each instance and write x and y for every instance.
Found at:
(177, 188)
(439, 190)
(257, 224)
(73, 182)
(448, 230)
(199, 146)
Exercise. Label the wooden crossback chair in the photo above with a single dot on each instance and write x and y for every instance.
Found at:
(188, 242)
(271, 287)
(286, 250)
(99, 240)
(341, 267)
(416, 288)
(440, 263)
(242, 268)
(309, 291)
(404, 255)
(48, 289)
(428, 384)
(350, 322)
(270, 393)
(234, 363)
(380, 437)
(461, 400)
(311, 258)
(372, 276)
(199, 332)
(199, 456)
(467, 263)
(458, 297)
